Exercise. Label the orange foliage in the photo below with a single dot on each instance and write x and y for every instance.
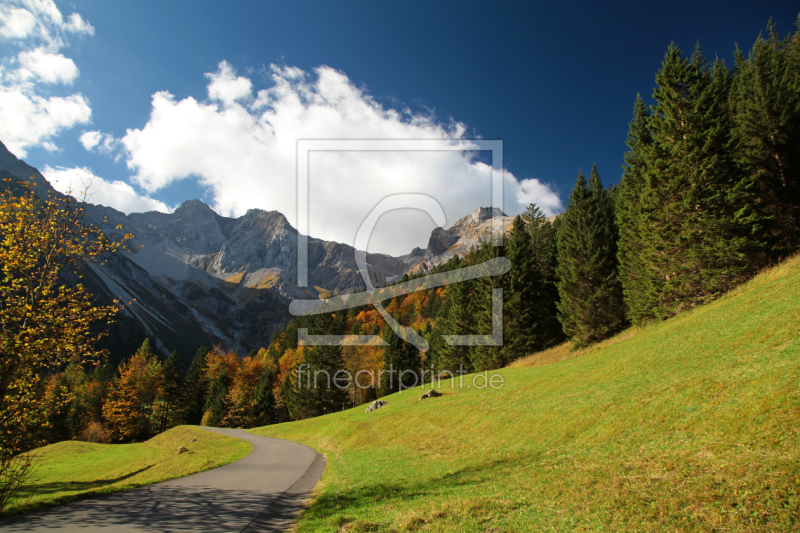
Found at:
(218, 360)
(129, 406)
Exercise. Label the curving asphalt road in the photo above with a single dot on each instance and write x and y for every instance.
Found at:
(263, 491)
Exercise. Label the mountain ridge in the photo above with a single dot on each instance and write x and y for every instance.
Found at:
(200, 278)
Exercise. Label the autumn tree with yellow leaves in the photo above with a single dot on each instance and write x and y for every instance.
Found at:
(43, 323)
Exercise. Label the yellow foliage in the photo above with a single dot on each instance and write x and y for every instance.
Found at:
(43, 323)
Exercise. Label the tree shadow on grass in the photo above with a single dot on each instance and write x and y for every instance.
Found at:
(328, 505)
(33, 489)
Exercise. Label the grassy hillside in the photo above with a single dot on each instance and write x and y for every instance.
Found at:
(71, 469)
(690, 424)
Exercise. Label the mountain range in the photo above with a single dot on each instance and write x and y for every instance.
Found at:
(198, 278)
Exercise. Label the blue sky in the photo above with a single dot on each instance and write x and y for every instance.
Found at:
(556, 83)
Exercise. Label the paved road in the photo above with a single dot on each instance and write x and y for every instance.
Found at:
(260, 492)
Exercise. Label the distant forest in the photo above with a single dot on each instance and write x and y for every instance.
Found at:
(709, 195)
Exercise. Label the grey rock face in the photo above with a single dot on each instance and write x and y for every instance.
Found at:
(468, 232)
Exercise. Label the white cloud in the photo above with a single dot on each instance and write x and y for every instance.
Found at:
(534, 191)
(32, 118)
(17, 23)
(226, 86)
(90, 139)
(76, 24)
(81, 183)
(97, 141)
(244, 151)
(48, 67)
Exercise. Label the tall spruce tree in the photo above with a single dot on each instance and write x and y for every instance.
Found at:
(630, 219)
(484, 357)
(765, 103)
(317, 389)
(521, 298)
(694, 219)
(590, 307)
(170, 392)
(544, 247)
(215, 407)
(403, 360)
(265, 398)
(460, 320)
(195, 389)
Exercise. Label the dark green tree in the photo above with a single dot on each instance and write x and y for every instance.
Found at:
(544, 247)
(194, 390)
(483, 357)
(318, 391)
(590, 308)
(171, 381)
(215, 404)
(460, 320)
(523, 288)
(765, 103)
(695, 218)
(265, 399)
(630, 217)
(401, 363)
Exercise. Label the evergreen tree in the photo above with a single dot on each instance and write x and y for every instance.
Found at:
(482, 357)
(265, 399)
(544, 247)
(215, 407)
(317, 390)
(766, 116)
(590, 308)
(460, 320)
(170, 392)
(402, 359)
(630, 218)
(694, 217)
(193, 395)
(608, 295)
(521, 297)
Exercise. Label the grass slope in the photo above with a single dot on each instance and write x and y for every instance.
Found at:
(70, 470)
(691, 424)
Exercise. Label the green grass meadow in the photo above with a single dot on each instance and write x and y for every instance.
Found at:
(692, 424)
(70, 470)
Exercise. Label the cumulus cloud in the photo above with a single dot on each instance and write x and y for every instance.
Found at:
(97, 141)
(226, 86)
(17, 23)
(33, 117)
(81, 183)
(242, 147)
(48, 67)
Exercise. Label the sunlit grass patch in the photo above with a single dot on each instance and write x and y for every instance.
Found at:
(690, 424)
(69, 470)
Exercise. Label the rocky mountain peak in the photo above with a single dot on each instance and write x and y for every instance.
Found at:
(479, 216)
(195, 206)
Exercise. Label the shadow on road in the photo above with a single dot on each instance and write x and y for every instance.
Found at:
(165, 509)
